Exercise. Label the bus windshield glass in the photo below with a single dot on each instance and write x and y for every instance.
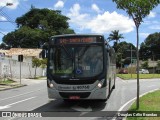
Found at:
(76, 61)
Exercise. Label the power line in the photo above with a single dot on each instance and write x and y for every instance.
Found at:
(7, 17)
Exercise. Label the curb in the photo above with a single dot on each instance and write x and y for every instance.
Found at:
(12, 87)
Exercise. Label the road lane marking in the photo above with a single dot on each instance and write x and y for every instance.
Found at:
(121, 108)
(20, 95)
(9, 105)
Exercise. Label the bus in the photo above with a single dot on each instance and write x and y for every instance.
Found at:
(80, 67)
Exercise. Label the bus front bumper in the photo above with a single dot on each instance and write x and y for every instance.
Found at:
(100, 93)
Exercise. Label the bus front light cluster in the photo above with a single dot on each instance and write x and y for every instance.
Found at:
(51, 85)
(100, 83)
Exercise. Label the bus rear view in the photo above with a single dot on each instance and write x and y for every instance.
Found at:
(78, 68)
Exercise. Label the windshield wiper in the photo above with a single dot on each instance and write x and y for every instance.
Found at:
(83, 52)
(67, 51)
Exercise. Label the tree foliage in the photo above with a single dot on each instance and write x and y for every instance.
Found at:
(36, 63)
(114, 35)
(123, 53)
(145, 65)
(150, 47)
(137, 9)
(36, 26)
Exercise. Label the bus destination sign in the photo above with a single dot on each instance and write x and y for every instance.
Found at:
(77, 40)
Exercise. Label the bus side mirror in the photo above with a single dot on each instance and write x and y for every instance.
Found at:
(44, 54)
(45, 50)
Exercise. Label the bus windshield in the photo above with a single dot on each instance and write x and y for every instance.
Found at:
(72, 61)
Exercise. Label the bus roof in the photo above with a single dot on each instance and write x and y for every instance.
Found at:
(69, 35)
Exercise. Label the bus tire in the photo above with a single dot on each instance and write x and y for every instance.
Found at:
(109, 88)
(114, 86)
(103, 100)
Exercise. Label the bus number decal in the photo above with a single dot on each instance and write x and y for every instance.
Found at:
(84, 87)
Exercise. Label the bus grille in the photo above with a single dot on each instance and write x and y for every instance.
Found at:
(80, 94)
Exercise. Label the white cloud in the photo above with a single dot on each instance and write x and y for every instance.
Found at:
(152, 15)
(2, 18)
(96, 8)
(107, 22)
(76, 18)
(144, 35)
(102, 23)
(155, 27)
(14, 2)
(59, 4)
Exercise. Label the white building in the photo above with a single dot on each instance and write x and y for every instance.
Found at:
(9, 65)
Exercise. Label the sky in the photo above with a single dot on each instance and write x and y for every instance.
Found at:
(86, 17)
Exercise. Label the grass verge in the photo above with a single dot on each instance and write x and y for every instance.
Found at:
(141, 76)
(149, 102)
(7, 81)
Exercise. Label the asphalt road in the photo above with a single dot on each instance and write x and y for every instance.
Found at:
(34, 98)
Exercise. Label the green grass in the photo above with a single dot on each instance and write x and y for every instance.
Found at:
(149, 102)
(141, 76)
(8, 81)
(39, 78)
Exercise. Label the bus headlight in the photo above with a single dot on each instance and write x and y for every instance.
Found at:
(51, 85)
(99, 85)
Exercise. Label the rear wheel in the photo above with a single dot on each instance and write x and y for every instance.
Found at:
(114, 82)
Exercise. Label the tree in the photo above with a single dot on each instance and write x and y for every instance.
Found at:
(36, 27)
(158, 66)
(145, 65)
(115, 36)
(4, 46)
(150, 47)
(123, 52)
(137, 9)
(36, 63)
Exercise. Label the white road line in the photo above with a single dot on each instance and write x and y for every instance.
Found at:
(19, 95)
(9, 105)
(121, 108)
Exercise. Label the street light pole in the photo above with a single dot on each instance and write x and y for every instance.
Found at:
(7, 4)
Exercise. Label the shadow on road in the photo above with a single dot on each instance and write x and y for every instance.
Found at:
(71, 106)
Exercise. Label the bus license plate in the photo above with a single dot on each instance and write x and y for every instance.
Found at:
(74, 97)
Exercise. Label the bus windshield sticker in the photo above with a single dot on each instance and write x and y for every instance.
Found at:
(78, 71)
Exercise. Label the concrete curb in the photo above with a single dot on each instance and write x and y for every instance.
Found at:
(8, 87)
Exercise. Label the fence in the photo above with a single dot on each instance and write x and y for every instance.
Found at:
(11, 68)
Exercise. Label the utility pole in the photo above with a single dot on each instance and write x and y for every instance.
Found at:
(131, 61)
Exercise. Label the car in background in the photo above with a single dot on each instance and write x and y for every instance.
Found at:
(123, 71)
(143, 71)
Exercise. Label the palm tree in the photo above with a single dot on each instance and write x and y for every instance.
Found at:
(114, 35)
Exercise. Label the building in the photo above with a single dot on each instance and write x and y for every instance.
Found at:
(10, 66)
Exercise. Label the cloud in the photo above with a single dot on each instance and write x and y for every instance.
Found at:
(59, 4)
(152, 15)
(101, 23)
(14, 2)
(155, 27)
(107, 22)
(76, 18)
(144, 35)
(2, 18)
(96, 8)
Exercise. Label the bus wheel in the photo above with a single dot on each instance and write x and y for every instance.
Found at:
(109, 88)
(114, 83)
(103, 100)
